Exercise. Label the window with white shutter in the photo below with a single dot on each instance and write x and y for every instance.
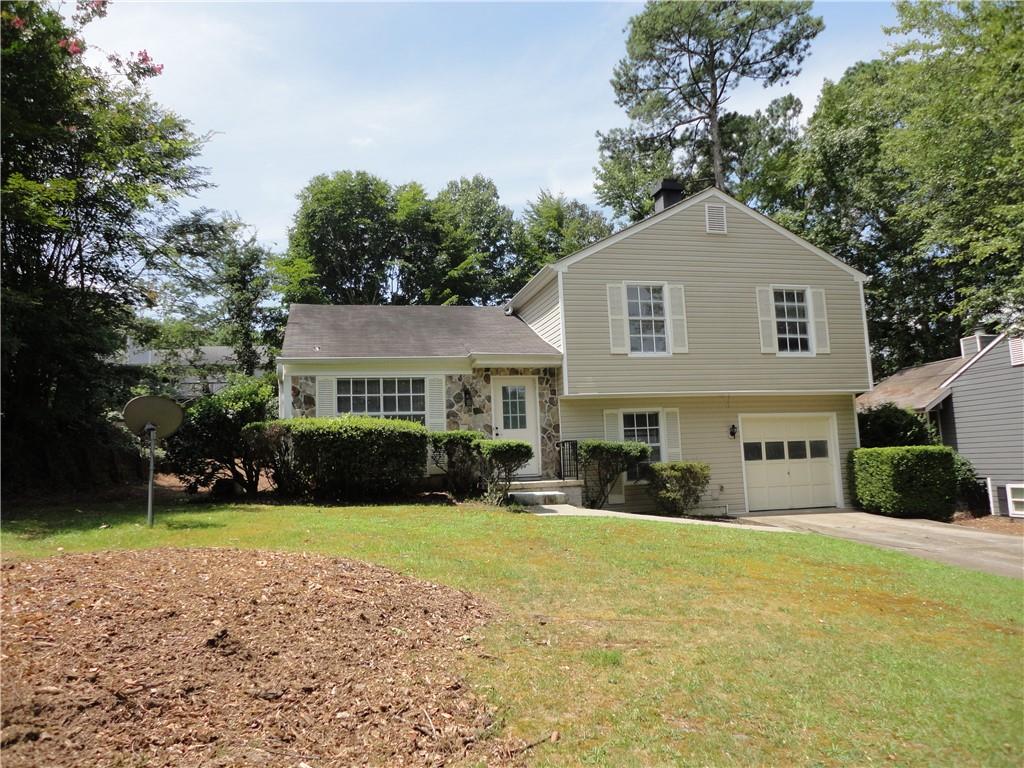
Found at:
(677, 315)
(617, 319)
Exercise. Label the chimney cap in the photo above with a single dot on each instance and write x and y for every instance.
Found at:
(665, 185)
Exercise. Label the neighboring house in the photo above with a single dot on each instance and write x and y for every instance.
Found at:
(207, 367)
(706, 330)
(976, 402)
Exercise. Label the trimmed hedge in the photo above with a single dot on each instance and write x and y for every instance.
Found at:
(676, 486)
(603, 461)
(908, 481)
(346, 458)
(501, 460)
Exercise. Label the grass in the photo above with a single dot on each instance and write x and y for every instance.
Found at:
(657, 644)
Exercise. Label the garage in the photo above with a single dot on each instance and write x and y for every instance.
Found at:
(789, 461)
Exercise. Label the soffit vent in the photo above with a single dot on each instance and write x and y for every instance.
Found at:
(714, 218)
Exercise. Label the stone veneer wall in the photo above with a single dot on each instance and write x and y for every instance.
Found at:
(469, 406)
(304, 396)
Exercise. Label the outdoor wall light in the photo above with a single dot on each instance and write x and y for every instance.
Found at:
(732, 431)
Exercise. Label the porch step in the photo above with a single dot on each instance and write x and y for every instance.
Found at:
(537, 498)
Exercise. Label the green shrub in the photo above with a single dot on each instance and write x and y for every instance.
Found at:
(909, 481)
(501, 460)
(347, 458)
(971, 494)
(209, 444)
(603, 462)
(457, 454)
(676, 486)
(888, 425)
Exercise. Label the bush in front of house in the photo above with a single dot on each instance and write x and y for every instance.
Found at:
(501, 459)
(971, 494)
(906, 481)
(677, 486)
(457, 454)
(602, 462)
(209, 445)
(888, 425)
(343, 458)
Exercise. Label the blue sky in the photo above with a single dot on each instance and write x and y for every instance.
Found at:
(425, 92)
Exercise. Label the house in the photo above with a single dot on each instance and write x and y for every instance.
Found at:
(203, 370)
(706, 330)
(976, 403)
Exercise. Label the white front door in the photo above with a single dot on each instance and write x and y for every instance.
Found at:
(789, 462)
(515, 412)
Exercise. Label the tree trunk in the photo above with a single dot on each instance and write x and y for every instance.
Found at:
(716, 136)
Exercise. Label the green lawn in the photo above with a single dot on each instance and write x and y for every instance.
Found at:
(656, 644)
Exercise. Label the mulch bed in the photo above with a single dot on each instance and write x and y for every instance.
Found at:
(219, 657)
(993, 524)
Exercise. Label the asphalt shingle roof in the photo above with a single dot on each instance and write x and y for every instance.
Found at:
(330, 331)
(915, 388)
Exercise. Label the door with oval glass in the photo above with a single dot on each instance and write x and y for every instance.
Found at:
(515, 413)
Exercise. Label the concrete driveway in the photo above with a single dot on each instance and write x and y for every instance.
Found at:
(997, 553)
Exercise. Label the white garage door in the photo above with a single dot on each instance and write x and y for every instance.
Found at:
(789, 462)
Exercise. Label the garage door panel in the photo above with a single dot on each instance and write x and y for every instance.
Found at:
(788, 462)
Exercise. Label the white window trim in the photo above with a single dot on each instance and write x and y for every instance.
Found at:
(811, 352)
(661, 437)
(1009, 500)
(380, 378)
(667, 318)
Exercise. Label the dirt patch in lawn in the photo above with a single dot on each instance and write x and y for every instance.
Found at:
(222, 657)
(993, 524)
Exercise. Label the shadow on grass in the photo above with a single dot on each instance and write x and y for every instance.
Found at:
(40, 523)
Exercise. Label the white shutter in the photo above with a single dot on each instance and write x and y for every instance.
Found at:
(326, 396)
(437, 405)
(617, 319)
(714, 219)
(1017, 351)
(670, 440)
(819, 313)
(766, 319)
(613, 431)
(677, 310)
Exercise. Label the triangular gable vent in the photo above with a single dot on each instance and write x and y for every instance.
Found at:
(714, 218)
(1017, 351)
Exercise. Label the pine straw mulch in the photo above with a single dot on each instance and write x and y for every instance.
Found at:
(219, 657)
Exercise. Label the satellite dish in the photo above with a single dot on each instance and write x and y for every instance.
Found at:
(151, 416)
(151, 412)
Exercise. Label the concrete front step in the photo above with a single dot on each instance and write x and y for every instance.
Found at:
(536, 498)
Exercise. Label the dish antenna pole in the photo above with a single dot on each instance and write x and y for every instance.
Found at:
(151, 416)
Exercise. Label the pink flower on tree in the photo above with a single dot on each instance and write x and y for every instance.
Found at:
(18, 22)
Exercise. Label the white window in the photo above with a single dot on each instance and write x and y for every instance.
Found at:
(792, 329)
(643, 427)
(1015, 499)
(390, 398)
(645, 307)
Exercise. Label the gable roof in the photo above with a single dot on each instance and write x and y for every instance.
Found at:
(349, 331)
(977, 356)
(918, 388)
(545, 273)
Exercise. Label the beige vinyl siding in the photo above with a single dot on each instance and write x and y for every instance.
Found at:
(720, 274)
(704, 423)
(541, 313)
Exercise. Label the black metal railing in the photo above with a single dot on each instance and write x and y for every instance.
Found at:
(568, 460)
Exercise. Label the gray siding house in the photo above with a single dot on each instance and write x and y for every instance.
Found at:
(976, 402)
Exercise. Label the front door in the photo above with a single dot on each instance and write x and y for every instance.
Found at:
(515, 414)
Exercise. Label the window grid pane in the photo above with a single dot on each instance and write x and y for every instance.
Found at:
(513, 407)
(645, 306)
(642, 428)
(791, 320)
(388, 398)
